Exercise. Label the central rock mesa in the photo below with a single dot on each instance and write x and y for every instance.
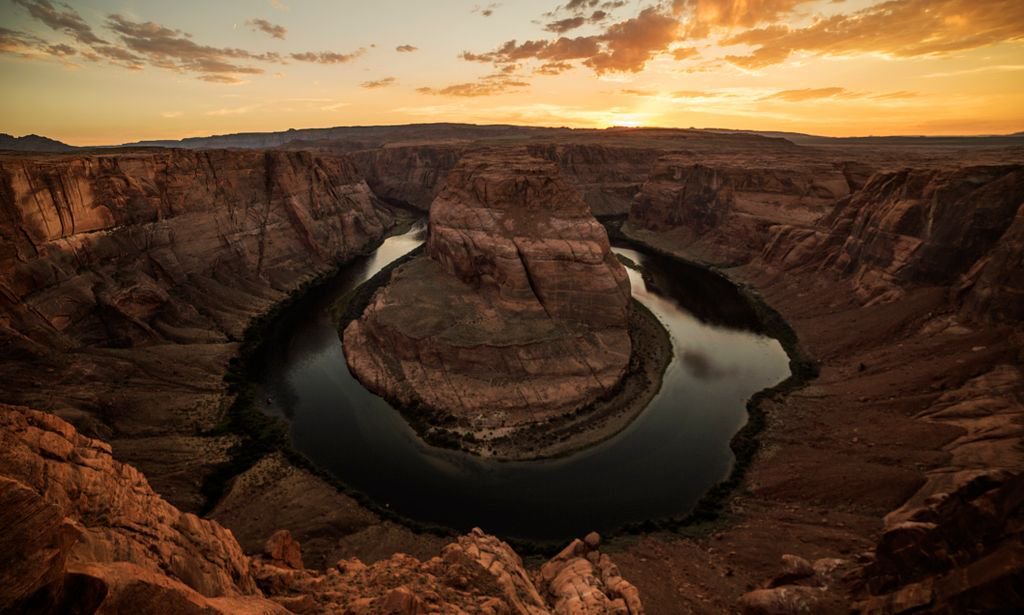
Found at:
(518, 312)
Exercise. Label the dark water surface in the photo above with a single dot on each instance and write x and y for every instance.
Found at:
(657, 467)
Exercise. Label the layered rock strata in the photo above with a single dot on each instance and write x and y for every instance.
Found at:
(518, 313)
(728, 209)
(85, 533)
(128, 278)
(906, 294)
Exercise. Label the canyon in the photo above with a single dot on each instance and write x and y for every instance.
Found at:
(132, 279)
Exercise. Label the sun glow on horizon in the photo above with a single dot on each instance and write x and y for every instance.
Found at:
(841, 69)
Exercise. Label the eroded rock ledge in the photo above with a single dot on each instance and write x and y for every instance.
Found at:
(519, 313)
(85, 533)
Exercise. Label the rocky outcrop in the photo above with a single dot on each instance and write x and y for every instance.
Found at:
(921, 227)
(963, 552)
(129, 277)
(993, 288)
(413, 175)
(607, 176)
(86, 524)
(130, 249)
(475, 574)
(517, 314)
(582, 580)
(728, 210)
(85, 533)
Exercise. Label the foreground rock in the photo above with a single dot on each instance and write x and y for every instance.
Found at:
(84, 533)
(518, 313)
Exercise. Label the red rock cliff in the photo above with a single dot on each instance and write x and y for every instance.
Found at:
(128, 277)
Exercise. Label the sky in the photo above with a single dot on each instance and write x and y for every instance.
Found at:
(113, 71)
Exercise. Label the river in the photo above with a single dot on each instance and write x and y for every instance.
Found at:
(659, 466)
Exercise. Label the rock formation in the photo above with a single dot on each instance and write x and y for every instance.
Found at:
(517, 314)
(85, 533)
(409, 174)
(129, 277)
(727, 209)
(913, 228)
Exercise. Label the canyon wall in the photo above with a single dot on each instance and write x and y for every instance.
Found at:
(606, 176)
(726, 210)
(914, 228)
(885, 232)
(127, 280)
(907, 292)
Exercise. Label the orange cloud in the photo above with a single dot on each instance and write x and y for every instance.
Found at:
(902, 28)
(625, 46)
(705, 14)
(685, 53)
(485, 86)
(378, 83)
(406, 48)
(811, 94)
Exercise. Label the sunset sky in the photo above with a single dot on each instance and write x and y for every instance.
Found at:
(111, 71)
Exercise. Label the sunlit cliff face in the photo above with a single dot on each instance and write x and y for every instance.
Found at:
(109, 71)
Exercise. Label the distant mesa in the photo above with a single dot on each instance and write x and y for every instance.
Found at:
(33, 143)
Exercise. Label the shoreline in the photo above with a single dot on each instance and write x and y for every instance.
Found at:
(559, 436)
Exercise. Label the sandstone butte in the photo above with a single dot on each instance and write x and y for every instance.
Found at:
(518, 312)
(892, 483)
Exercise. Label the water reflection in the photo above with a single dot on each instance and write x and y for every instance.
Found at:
(658, 466)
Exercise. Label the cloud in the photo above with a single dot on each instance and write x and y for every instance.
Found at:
(899, 28)
(175, 50)
(694, 94)
(486, 11)
(378, 83)
(327, 57)
(902, 94)
(148, 43)
(262, 25)
(810, 94)
(335, 106)
(220, 78)
(704, 15)
(625, 46)
(561, 26)
(552, 68)
(279, 5)
(998, 68)
(685, 53)
(564, 25)
(233, 110)
(406, 48)
(485, 86)
(22, 44)
(67, 21)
